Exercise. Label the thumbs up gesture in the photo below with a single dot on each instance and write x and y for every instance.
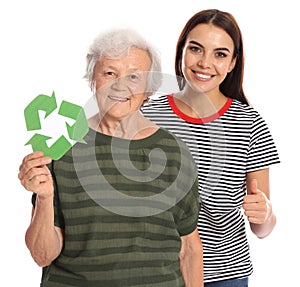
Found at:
(257, 206)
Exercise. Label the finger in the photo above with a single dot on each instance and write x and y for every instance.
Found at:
(32, 162)
(255, 220)
(249, 207)
(254, 194)
(34, 159)
(256, 216)
(252, 188)
(37, 172)
(26, 175)
(33, 155)
(252, 199)
(30, 157)
(35, 183)
(36, 180)
(31, 177)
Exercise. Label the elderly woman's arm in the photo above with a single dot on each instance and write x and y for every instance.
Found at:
(42, 238)
(191, 259)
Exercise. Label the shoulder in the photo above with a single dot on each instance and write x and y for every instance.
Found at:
(167, 134)
(175, 144)
(240, 114)
(243, 114)
(240, 109)
(156, 102)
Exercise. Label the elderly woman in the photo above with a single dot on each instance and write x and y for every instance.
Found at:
(120, 209)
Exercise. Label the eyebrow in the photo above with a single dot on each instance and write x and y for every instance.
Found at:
(217, 49)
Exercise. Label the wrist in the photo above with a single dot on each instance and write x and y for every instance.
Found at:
(44, 197)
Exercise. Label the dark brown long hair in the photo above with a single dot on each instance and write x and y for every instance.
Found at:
(232, 86)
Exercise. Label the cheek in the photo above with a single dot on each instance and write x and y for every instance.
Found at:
(187, 64)
(137, 88)
(188, 60)
(137, 101)
(223, 67)
(100, 83)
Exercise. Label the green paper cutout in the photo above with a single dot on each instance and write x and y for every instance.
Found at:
(48, 104)
(31, 112)
(56, 151)
(80, 128)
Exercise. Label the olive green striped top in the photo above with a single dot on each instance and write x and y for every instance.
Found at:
(123, 206)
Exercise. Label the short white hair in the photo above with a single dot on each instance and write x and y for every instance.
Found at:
(117, 42)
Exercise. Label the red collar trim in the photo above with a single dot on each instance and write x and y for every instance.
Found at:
(205, 120)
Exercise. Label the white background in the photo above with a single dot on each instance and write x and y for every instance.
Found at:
(43, 48)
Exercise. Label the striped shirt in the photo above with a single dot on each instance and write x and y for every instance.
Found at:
(123, 206)
(225, 146)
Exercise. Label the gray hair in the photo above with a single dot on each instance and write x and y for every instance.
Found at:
(116, 43)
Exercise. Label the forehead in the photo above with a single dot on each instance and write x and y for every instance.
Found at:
(135, 58)
(209, 34)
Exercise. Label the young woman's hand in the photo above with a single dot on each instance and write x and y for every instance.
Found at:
(257, 206)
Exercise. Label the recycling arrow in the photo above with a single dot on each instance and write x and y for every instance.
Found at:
(55, 151)
(31, 112)
(80, 128)
(48, 104)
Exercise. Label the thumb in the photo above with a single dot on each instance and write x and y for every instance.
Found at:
(252, 188)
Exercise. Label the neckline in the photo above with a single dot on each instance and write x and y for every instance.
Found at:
(100, 138)
(204, 120)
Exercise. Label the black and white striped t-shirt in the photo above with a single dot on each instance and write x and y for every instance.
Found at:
(225, 146)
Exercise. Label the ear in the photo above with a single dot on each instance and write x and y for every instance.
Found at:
(232, 65)
(93, 85)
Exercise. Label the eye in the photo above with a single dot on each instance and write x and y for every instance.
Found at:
(133, 77)
(110, 73)
(221, 55)
(195, 49)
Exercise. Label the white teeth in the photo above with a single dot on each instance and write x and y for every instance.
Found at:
(118, 98)
(203, 76)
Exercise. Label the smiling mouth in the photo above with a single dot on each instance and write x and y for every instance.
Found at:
(202, 76)
(118, 99)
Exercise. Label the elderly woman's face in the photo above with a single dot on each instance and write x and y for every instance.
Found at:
(121, 83)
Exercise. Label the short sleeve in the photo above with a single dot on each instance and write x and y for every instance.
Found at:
(262, 150)
(186, 211)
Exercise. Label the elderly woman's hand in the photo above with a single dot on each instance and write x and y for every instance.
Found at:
(35, 176)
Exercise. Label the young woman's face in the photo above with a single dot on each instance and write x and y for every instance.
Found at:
(207, 57)
(121, 83)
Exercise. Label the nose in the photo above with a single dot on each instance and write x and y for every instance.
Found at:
(205, 61)
(119, 84)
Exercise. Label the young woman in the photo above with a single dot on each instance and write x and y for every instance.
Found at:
(229, 140)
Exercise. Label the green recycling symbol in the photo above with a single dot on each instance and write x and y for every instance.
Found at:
(48, 104)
